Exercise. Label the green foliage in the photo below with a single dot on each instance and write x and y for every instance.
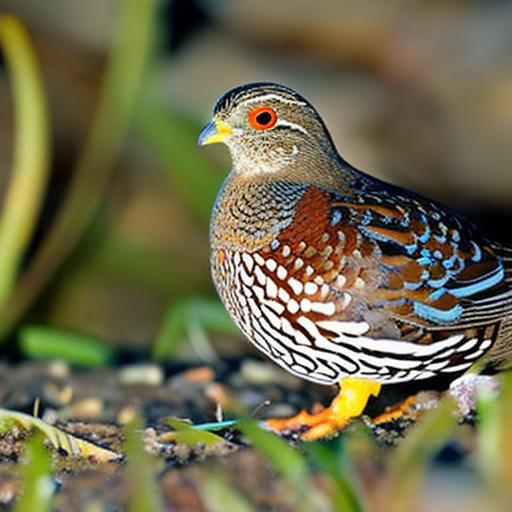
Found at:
(127, 61)
(410, 461)
(185, 433)
(192, 317)
(495, 453)
(289, 464)
(287, 461)
(219, 494)
(37, 487)
(144, 495)
(59, 439)
(31, 153)
(39, 342)
(344, 496)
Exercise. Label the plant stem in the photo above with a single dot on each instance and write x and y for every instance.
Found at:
(127, 62)
(30, 155)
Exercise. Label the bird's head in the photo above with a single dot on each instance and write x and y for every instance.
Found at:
(267, 127)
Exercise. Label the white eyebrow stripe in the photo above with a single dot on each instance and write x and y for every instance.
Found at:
(271, 96)
(293, 126)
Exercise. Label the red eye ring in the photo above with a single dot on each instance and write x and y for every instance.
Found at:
(262, 118)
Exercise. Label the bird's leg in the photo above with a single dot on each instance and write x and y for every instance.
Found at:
(349, 403)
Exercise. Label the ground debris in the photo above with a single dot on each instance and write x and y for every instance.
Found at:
(94, 406)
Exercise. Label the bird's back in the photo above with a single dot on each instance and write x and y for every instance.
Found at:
(333, 273)
(378, 283)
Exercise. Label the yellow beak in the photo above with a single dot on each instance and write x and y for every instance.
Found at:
(213, 132)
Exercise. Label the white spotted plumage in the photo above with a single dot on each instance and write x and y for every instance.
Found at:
(326, 350)
(332, 273)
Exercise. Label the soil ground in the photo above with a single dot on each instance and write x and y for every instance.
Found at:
(94, 405)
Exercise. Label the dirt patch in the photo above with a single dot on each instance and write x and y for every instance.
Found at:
(95, 404)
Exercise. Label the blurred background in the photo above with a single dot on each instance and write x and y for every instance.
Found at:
(418, 93)
(105, 201)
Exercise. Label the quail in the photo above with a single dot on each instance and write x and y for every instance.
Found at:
(337, 276)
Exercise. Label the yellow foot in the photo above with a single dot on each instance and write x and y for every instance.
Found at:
(349, 403)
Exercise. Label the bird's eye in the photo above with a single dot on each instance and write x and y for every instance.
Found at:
(262, 118)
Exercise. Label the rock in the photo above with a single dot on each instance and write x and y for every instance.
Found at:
(467, 390)
(142, 374)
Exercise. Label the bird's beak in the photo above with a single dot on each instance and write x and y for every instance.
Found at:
(213, 132)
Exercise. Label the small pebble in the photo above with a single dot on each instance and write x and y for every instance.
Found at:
(466, 391)
(217, 394)
(50, 416)
(198, 375)
(58, 394)
(151, 441)
(58, 370)
(8, 489)
(260, 373)
(126, 414)
(142, 374)
(85, 409)
(279, 411)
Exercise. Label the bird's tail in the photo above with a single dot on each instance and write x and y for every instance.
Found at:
(501, 353)
(507, 260)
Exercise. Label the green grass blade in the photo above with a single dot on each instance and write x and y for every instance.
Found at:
(287, 461)
(495, 445)
(38, 342)
(410, 460)
(219, 495)
(185, 433)
(31, 152)
(37, 487)
(144, 494)
(344, 497)
(181, 318)
(171, 333)
(58, 438)
(127, 63)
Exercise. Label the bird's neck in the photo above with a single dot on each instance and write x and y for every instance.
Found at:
(251, 211)
(253, 208)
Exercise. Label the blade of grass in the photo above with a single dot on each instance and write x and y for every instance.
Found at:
(144, 495)
(411, 458)
(187, 316)
(127, 64)
(31, 152)
(217, 425)
(58, 438)
(38, 342)
(219, 495)
(185, 433)
(344, 497)
(289, 463)
(37, 487)
(495, 446)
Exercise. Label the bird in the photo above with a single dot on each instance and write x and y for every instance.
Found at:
(340, 277)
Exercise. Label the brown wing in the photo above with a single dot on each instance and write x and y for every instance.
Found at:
(439, 272)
